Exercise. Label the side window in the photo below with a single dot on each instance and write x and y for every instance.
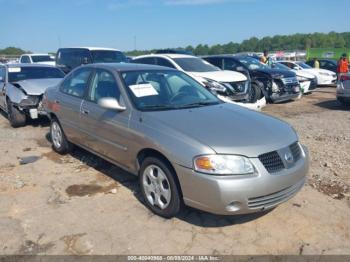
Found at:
(215, 61)
(103, 85)
(146, 60)
(230, 64)
(77, 83)
(25, 59)
(2, 74)
(164, 62)
(72, 58)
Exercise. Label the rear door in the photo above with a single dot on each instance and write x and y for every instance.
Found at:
(106, 131)
(69, 100)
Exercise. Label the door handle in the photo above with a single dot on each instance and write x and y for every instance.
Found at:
(56, 102)
(85, 112)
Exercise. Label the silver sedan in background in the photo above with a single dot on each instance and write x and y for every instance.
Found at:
(186, 146)
(343, 89)
(22, 87)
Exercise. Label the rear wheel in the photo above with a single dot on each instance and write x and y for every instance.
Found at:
(59, 140)
(159, 188)
(15, 116)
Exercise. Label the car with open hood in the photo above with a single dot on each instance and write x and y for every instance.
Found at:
(273, 84)
(232, 87)
(22, 87)
(185, 145)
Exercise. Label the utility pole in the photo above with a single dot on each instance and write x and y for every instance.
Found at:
(135, 42)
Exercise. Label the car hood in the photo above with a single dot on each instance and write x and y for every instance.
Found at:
(225, 128)
(37, 86)
(223, 76)
(304, 73)
(276, 73)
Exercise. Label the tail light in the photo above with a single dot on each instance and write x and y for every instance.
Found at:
(345, 78)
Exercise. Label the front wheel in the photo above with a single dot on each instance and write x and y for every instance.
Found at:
(254, 94)
(159, 187)
(59, 140)
(15, 116)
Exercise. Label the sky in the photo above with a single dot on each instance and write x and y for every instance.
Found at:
(46, 25)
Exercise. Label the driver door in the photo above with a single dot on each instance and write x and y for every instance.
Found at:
(105, 130)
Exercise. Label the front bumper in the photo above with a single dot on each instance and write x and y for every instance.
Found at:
(343, 92)
(32, 107)
(229, 195)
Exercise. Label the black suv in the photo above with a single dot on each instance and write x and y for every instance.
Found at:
(69, 58)
(274, 84)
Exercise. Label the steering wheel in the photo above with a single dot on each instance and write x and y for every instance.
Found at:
(178, 96)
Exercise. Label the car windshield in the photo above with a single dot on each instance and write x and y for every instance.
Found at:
(194, 64)
(280, 66)
(16, 74)
(252, 63)
(165, 90)
(42, 58)
(107, 56)
(303, 65)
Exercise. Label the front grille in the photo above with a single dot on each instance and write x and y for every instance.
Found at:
(295, 149)
(313, 83)
(274, 198)
(272, 162)
(237, 87)
(290, 81)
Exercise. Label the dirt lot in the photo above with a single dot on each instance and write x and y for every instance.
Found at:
(79, 204)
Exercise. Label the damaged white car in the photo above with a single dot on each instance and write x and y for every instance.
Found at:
(22, 87)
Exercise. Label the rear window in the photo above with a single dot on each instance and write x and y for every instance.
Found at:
(42, 58)
(73, 57)
(195, 65)
(107, 56)
(16, 74)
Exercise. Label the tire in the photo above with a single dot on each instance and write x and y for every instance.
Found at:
(254, 94)
(159, 187)
(59, 140)
(343, 102)
(15, 116)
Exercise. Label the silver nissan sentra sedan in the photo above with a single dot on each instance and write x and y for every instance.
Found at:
(186, 146)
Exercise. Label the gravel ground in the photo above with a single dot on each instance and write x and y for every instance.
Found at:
(80, 204)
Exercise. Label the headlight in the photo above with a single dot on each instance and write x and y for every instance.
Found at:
(30, 101)
(223, 165)
(275, 87)
(214, 85)
(303, 79)
(324, 74)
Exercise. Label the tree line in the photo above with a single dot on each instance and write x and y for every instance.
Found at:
(275, 43)
(254, 44)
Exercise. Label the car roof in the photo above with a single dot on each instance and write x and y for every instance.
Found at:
(122, 67)
(167, 56)
(35, 54)
(28, 65)
(91, 48)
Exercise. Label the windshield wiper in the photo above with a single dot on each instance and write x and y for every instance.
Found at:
(157, 107)
(198, 104)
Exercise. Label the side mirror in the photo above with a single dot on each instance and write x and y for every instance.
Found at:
(295, 68)
(240, 69)
(111, 103)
